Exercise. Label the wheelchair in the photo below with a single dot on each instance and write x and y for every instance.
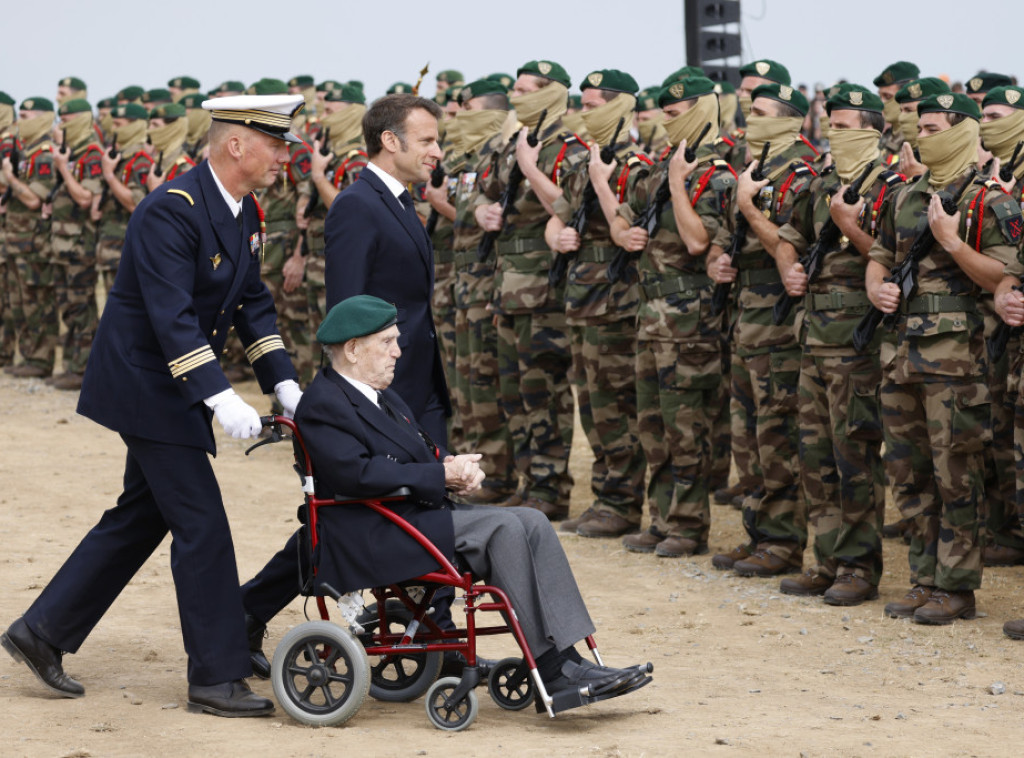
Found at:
(322, 671)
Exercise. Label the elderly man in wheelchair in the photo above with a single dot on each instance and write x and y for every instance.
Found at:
(360, 438)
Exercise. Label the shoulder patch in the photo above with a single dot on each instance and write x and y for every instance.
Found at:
(183, 193)
(1009, 218)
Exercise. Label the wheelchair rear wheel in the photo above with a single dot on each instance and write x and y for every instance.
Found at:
(510, 685)
(320, 674)
(403, 677)
(448, 715)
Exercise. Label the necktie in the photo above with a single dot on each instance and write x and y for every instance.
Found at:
(385, 407)
(406, 199)
(238, 220)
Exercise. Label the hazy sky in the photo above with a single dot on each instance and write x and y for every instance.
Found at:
(111, 43)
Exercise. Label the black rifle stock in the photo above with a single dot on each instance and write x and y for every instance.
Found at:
(15, 156)
(1006, 172)
(828, 239)
(720, 296)
(436, 180)
(59, 179)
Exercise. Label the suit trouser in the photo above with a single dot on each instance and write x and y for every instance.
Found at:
(166, 488)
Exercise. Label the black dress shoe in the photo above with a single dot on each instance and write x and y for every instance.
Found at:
(40, 656)
(230, 699)
(598, 679)
(256, 631)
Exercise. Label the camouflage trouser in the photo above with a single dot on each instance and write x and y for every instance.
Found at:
(743, 433)
(604, 372)
(1004, 526)
(678, 393)
(1013, 399)
(292, 307)
(34, 276)
(76, 303)
(775, 519)
(534, 361)
(721, 421)
(841, 470)
(316, 303)
(8, 318)
(935, 436)
(108, 258)
(443, 306)
(476, 393)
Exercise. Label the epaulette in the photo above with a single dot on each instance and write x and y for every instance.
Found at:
(636, 158)
(993, 184)
(184, 194)
(891, 177)
(722, 138)
(799, 168)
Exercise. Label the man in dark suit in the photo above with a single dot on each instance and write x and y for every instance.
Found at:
(189, 273)
(364, 440)
(375, 244)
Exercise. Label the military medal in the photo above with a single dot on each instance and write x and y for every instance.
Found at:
(215, 260)
(254, 243)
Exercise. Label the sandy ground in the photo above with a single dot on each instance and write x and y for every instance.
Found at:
(739, 668)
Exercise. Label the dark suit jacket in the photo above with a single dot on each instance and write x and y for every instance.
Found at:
(187, 275)
(357, 450)
(374, 248)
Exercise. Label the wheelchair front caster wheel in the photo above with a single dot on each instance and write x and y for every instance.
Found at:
(446, 714)
(510, 684)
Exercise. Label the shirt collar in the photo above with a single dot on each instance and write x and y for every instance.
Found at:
(395, 186)
(234, 205)
(365, 389)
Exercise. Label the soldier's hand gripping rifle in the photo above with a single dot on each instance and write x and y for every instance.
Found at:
(59, 180)
(828, 240)
(996, 344)
(15, 156)
(720, 296)
(508, 197)
(436, 180)
(904, 276)
(578, 222)
(111, 153)
(314, 198)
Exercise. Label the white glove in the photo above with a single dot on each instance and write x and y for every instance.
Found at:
(288, 395)
(238, 418)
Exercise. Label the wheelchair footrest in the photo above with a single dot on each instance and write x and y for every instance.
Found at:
(575, 697)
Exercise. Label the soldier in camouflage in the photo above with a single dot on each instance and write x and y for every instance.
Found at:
(889, 82)
(9, 150)
(935, 400)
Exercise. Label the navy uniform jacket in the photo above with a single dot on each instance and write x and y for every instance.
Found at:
(357, 450)
(188, 273)
(373, 247)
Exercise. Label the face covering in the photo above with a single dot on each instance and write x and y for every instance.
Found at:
(198, 124)
(853, 150)
(651, 129)
(908, 127)
(1000, 137)
(476, 127)
(6, 116)
(948, 153)
(528, 107)
(574, 123)
(132, 133)
(31, 129)
(169, 137)
(345, 125)
(78, 128)
(728, 104)
(781, 131)
(891, 112)
(688, 124)
(746, 103)
(602, 121)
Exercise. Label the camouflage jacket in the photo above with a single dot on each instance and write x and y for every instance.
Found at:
(890, 144)
(346, 163)
(675, 290)
(523, 257)
(836, 300)
(132, 171)
(35, 168)
(68, 219)
(590, 297)
(758, 285)
(474, 279)
(939, 331)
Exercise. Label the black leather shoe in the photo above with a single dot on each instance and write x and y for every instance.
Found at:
(598, 679)
(256, 631)
(230, 699)
(40, 656)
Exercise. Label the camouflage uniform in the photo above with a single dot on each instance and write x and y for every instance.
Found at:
(484, 427)
(9, 145)
(679, 352)
(935, 400)
(132, 170)
(841, 472)
(443, 300)
(533, 335)
(765, 371)
(602, 315)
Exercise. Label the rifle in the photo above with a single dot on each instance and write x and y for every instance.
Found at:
(828, 239)
(15, 157)
(436, 180)
(1006, 172)
(60, 177)
(111, 153)
(315, 197)
(508, 197)
(650, 218)
(720, 296)
(578, 222)
(903, 275)
(995, 345)
(158, 169)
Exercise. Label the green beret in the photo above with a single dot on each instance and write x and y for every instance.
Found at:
(75, 106)
(688, 88)
(192, 100)
(983, 81)
(1010, 95)
(303, 80)
(451, 95)
(107, 102)
(505, 80)
(647, 98)
(131, 92)
(782, 93)
(168, 111)
(767, 69)
(230, 86)
(853, 97)
(548, 70)
(184, 82)
(684, 73)
(481, 87)
(267, 86)
(897, 73)
(950, 102)
(357, 83)
(36, 104)
(399, 88)
(156, 95)
(6, 99)
(129, 110)
(345, 93)
(327, 85)
(575, 102)
(610, 79)
(354, 317)
(73, 82)
(919, 89)
(724, 88)
(450, 76)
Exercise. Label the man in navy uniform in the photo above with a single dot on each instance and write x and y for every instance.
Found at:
(189, 273)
